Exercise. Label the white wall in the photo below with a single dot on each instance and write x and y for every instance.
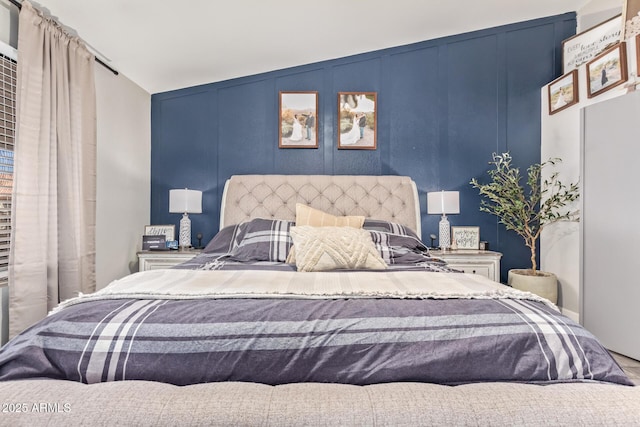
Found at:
(597, 11)
(561, 137)
(123, 175)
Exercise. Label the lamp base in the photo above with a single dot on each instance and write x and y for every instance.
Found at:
(185, 231)
(445, 233)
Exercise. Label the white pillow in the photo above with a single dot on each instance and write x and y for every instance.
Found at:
(334, 248)
(306, 215)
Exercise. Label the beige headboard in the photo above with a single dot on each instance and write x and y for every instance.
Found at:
(391, 198)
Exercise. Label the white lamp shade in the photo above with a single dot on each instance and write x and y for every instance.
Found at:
(185, 201)
(443, 202)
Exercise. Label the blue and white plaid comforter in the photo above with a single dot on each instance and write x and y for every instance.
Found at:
(278, 341)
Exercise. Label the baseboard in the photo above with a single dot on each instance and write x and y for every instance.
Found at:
(570, 314)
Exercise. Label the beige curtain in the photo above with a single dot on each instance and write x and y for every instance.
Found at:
(52, 254)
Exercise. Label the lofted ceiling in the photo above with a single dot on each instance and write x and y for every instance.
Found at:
(163, 45)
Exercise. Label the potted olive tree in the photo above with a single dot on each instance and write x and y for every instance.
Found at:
(527, 211)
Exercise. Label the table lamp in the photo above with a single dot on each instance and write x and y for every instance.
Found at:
(443, 202)
(185, 201)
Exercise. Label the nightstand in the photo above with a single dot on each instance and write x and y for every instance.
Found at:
(154, 260)
(486, 263)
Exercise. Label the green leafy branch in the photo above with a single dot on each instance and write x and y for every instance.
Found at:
(526, 212)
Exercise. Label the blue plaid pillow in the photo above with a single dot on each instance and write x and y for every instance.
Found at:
(225, 241)
(388, 227)
(396, 243)
(263, 240)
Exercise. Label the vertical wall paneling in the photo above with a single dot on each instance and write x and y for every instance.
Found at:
(211, 199)
(414, 118)
(327, 103)
(472, 67)
(384, 127)
(501, 145)
(443, 107)
(244, 122)
(182, 156)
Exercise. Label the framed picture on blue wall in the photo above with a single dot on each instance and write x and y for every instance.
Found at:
(298, 120)
(357, 119)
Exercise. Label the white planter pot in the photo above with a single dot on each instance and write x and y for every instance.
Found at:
(545, 284)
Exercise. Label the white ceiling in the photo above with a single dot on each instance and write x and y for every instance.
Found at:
(163, 45)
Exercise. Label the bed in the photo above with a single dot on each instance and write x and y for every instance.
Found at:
(315, 304)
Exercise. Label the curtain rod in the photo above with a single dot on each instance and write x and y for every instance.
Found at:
(17, 4)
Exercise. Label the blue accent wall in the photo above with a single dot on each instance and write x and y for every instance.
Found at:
(444, 106)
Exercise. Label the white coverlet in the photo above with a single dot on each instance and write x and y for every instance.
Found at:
(194, 284)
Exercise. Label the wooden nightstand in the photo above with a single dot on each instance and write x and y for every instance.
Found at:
(154, 260)
(486, 263)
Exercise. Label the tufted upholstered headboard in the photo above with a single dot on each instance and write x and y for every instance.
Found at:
(391, 198)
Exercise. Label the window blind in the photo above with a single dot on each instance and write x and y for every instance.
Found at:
(7, 141)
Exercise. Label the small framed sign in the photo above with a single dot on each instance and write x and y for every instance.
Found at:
(465, 237)
(153, 242)
(168, 231)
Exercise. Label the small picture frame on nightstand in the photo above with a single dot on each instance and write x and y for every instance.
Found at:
(466, 237)
(153, 242)
(168, 231)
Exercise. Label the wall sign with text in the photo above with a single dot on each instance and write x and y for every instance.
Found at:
(585, 46)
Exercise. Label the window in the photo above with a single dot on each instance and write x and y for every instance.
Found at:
(7, 141)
